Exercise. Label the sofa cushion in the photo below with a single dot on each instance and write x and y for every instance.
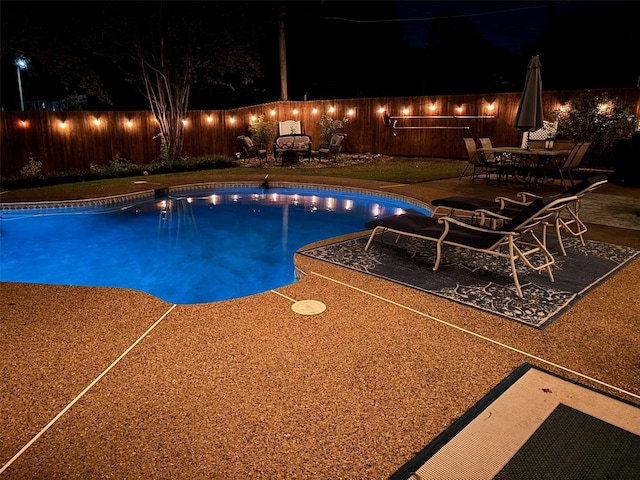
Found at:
(296, 142)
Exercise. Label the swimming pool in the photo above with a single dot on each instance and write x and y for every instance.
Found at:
(190, 244)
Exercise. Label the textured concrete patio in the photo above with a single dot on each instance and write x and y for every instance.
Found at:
(113, 383)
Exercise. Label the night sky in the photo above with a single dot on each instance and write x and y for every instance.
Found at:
(338, 49)
(505, 24)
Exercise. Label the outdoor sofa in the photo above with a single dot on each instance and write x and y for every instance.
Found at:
(292, 146)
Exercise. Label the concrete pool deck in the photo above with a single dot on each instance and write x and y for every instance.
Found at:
(101, 382)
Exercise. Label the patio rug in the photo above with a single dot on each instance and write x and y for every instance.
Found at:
(535, 425)
(479, 280)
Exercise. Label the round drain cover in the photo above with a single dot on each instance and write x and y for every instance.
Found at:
(308, 307)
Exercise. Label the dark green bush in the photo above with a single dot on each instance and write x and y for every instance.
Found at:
(597, 119)
(262, 131)
(121, 167)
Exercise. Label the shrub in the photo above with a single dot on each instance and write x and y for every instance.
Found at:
(33, 169)
(329, 127)
(596, 119)
(262, 131)
(118, 167)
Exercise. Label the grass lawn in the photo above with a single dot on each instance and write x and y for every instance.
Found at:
(387, 169)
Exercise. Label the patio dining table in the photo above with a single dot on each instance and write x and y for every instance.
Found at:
(526, 161)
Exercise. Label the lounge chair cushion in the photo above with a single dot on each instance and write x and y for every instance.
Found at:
(407, 222)
(471, 204)
(430, 227)
(465, 203)
(463, 236)
(584, 184)
(526, 213)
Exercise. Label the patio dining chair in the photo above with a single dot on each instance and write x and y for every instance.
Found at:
(485, 142)
(558, 166)
(564, 167)
(476, 161)
(574, 167)
(493, 161)
(515, 241)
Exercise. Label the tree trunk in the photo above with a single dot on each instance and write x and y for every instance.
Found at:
(283, 59)
(169, 100)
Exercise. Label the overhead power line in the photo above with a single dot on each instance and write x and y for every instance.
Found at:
(425, 19)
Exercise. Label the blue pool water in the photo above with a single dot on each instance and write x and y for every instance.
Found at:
(184, 248)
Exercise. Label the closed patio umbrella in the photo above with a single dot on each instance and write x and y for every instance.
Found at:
(529, 116)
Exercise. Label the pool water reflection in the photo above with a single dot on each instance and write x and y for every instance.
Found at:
(191, 247)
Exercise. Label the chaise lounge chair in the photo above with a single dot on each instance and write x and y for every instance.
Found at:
(515, 240)
(503, 209)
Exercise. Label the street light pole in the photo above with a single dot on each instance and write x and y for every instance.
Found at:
(21, 64)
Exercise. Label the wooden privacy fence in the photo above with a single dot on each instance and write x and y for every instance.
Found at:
(429, 126)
